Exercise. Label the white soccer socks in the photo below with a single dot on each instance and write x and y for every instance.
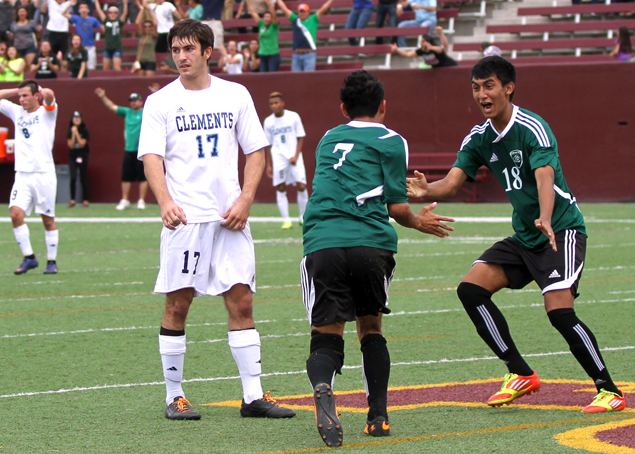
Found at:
(23, 238)
(303, 198)
(283, 205)
(52, 237)
(245, 348)
(172, 349)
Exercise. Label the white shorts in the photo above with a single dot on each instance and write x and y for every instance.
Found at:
(207, 257)
(34, 189)
(217, 29)
(92, 57)
(284, 172)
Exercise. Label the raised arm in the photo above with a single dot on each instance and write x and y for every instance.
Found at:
(286, 11)
(178, 13)
(403, 52)
(447, 187)
(101, 93)
(236, 217)
(324, 8)
(252, 11)
(444, 40)
(272, 10)
(8, 93)
(48, 96)
(124, 13)
(65, 12)
(545, 177)
(100, 12)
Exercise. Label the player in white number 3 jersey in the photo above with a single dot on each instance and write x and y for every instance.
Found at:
(193, 126)
(35, 181)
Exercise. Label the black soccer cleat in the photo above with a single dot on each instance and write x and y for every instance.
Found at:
(328, 424)
(265, 407)
(181, 409)
(26, 265)
(378, 427)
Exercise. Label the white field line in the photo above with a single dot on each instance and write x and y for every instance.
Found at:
(157, 220)
(275, 336)
(295, 372)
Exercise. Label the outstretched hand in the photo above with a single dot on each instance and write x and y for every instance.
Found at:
(431, 223)
(545, 228)
(417, 186)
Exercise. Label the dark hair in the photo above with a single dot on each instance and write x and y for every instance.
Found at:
(276, 94)
(501, 68)
(362, 94)
(18, 9)
(78, 51)
(33, 85)
(624, 39)
(429, 39)
(81, 127)
(485, 45)
(192, 30)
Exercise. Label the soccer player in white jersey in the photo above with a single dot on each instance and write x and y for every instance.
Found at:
(193, 126)
(285, 164)
(35, 181)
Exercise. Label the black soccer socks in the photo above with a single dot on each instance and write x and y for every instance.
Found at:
(491, 326)
(327, 357)
(376, 363)
(584, 347)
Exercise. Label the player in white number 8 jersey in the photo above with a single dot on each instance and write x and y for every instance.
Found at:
(285, 164)
(35, 181)
(193, 126)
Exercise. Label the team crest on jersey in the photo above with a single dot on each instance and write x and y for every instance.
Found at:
(517, 157)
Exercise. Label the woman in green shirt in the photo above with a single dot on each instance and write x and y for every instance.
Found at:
(268, 29)
(113, 23)
(14, 67)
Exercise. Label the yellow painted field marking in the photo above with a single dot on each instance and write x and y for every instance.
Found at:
(584, 438)
(391, 441)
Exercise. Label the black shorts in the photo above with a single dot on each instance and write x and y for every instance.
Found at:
(551, 270)
(59, 42)
(345, 283)
(132, 169)
(161, 46)
(148, 65)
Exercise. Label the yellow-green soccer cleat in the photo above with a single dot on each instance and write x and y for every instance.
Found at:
(605, 401)
(287, 225)
(514, 386)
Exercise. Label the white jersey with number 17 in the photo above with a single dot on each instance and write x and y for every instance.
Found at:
(197, 132)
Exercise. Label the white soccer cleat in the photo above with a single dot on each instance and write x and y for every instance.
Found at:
(123, 204)
(141, 205)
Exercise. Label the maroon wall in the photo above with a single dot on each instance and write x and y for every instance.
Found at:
(587, 105)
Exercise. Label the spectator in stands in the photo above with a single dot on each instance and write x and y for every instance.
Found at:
(86, 26)
(358, 17)
(15, 67)
(132, 169)
(386, 7)
(490, 50)
(168, 67)
(30, 6)
(623, 50)
(23, 33)
(268, 31)
(195, 10)
(304, 27)
(46, 65)
(77, 139)
(146, 63)
(425, 16)
(6, 18)
(76, 59)
(113, 23)
(432, 54)
(232, 61)
(251, 63)
(212, 15)
(57, 25)
(3, 59)
(261, 6)
(166, 13)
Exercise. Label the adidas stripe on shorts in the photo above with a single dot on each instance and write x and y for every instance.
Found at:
(551, 270)
(207, 257)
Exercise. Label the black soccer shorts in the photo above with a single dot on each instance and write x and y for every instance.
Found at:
(345, 283)
(132, 169)
(551, 270)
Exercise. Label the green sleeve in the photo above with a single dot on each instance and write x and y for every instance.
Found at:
(540, 156)
(393, 164)
(468, 160)
(122, 111)
(293, 17)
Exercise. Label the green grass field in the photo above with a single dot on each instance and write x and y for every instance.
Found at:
(80, 370)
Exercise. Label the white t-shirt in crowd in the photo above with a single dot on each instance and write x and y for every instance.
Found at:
(197, 132)
(283, 132)
(165, 18)
(235, 68)
(34, 136)
(57, 22)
